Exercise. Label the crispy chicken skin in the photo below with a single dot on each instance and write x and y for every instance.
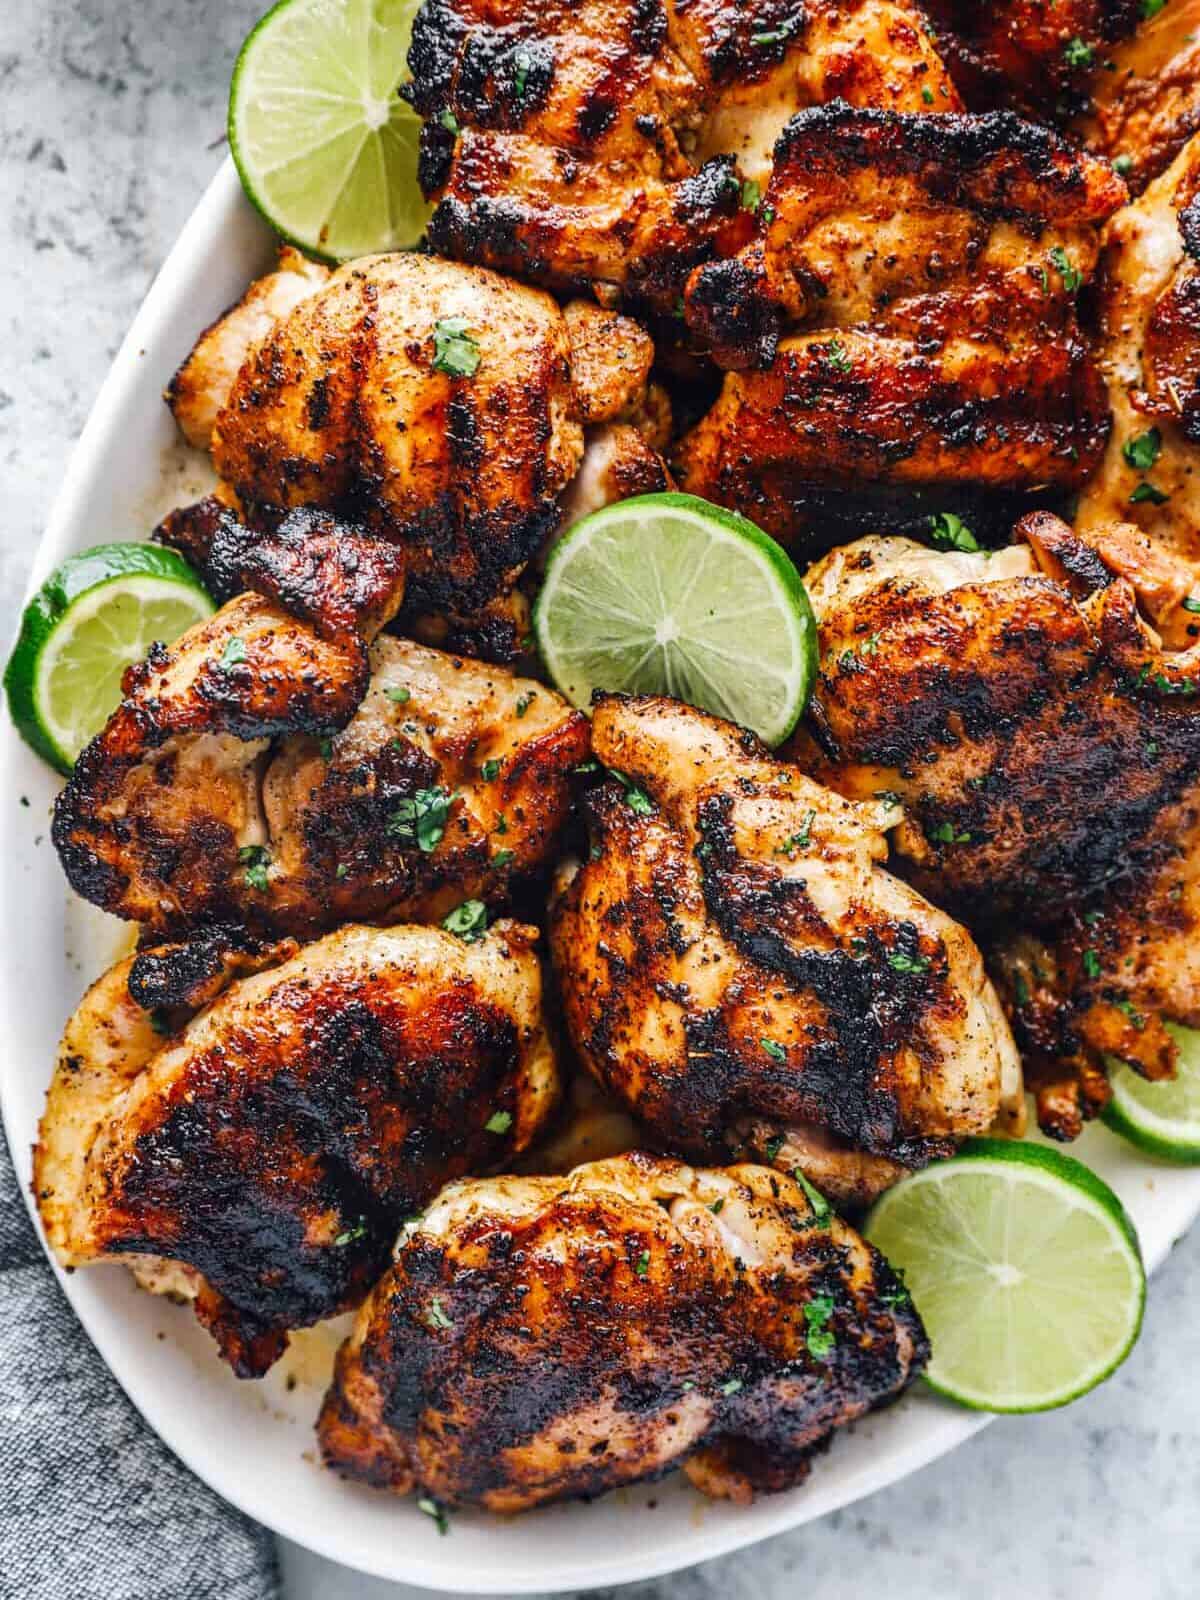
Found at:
(736, 965)
(604, 144)
(269, 1149)
(345, 404)
(541, 1339)
(261, 775)
(200, 389)
(907, 318)
(1046, 748)
(1042, 56)
(1016, 704)
(1149, 342)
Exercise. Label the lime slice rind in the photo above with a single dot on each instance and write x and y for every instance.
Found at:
(1161, 1119)
(1025, 1269)
(325, 145)
(668, 594)
(96, 615)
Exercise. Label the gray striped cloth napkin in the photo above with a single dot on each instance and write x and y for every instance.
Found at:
(92, 1505)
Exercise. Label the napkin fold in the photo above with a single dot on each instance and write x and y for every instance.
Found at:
(92, 1505)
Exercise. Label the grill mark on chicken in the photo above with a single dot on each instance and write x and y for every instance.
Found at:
(735, 965)
(184, 812)
(545, 1338)
(605, 144)
(272, 1145)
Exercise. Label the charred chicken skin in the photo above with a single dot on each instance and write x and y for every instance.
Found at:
(540, 1339)
(259, 774)
(1045, 745)
(607, 146)
(736, 965)
(260, 1158)
(906, 321)
(438, 406)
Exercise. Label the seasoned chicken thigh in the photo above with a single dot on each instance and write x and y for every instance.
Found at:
(1046, 748)
(259, 774)
(441, 407)
(539, 1339)
(907, 319)
(260, 1159)
(736, 965)
(614, 144)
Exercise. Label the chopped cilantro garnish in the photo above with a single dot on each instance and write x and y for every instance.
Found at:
(524, 701)
(449, 121)
(821, 1209)
(1021, 990)
(775, 1050)
(1091, 964)
(436, 1315)
(469, 921)
(1135, 1016)
(499, 1122)
(900, 962)
(1147, 491)
(234, 651)
(1123, 166)
(797, 841)
(1077, 53)
(731, 1386)
(431, 1508)
(489, 770)
(820, 1337)
(358, 1231)
(751, 195)
(642, 1265)
(635, 798)
(256, 858)
(455, 348)
(950, 532)
(422, 819)
(1143, 449)
(503, 857)
(1061, 262)
(834, 355)
(399, 694)
(716, 1207)
(1191, 603)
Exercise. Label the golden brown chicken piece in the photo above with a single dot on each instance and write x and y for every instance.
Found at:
(611, 145)
(259, 774)
(441, 407)
(1046, 748)
(928, 269)
(1149, 309)
(539, 1339)
(260, 1159)
(737, 967)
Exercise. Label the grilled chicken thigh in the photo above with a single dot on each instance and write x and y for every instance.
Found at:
(441, 407)
(608, 144)
(1149, 310)
(544, 1338)
(907, 319)
(259, 774)
(737, 966)
(260, 1159)
(1046, 748)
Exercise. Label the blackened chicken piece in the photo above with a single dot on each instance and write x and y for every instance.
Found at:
(260, 1159)
(541, 1339)
(1045, 745)
(1149, 347)
(1042, 56)
(612, 145)
(907, 319)
(436, 406)
(737, 966)
(261, 775)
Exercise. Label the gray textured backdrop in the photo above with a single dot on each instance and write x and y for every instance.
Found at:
(111, 116)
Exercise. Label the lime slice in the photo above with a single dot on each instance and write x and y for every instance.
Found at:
(97, 615)
(325, 146)
(1025, 1269)
(667, 594)
(1162, 1118)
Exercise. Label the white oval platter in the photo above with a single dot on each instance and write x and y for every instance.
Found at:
(253, 1442)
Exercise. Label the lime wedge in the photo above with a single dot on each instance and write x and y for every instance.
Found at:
(1162, 1118)
(325, 146)
(97, 615)
(667, 594)
(1025, 1269)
